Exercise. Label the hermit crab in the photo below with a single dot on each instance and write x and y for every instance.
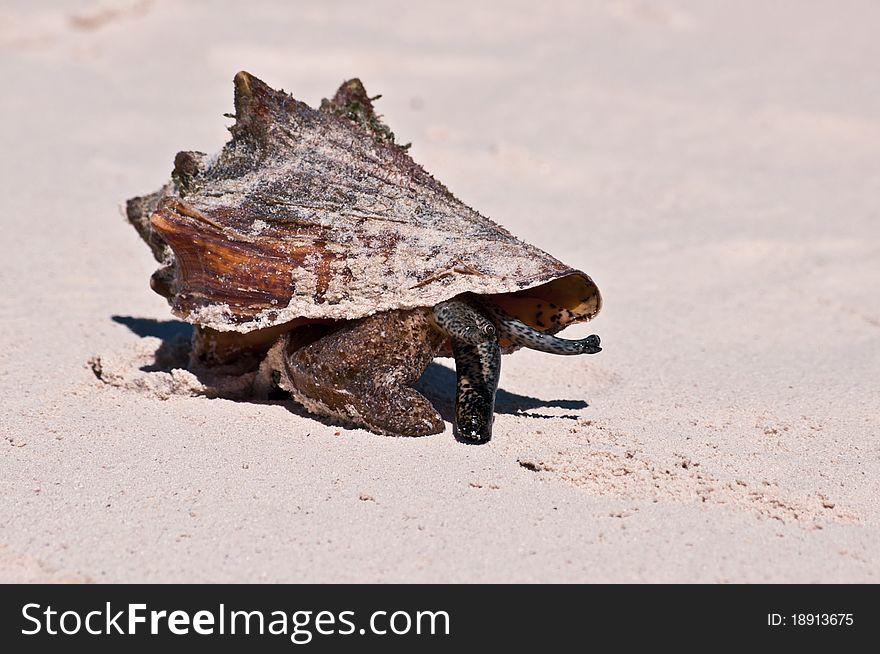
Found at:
(314, 249)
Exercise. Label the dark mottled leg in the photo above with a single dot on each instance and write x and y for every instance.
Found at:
(361, 373)
(519, 333)
(478, 368)
(477, 364)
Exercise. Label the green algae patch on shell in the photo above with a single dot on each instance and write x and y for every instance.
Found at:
(319, 215)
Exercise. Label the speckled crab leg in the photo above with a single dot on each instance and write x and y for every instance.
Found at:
(519, 333)
(477, 365)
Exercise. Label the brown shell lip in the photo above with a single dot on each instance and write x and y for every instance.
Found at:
(308, 215)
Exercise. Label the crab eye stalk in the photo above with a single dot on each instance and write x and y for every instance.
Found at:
(521, 335)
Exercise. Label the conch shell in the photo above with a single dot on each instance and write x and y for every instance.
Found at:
(318, 215)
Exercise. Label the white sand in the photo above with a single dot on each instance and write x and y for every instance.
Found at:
(716, 171)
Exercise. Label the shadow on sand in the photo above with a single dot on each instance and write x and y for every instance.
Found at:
(437, 383)
(167, 330)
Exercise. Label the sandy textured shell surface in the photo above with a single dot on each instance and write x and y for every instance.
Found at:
(318, 214)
